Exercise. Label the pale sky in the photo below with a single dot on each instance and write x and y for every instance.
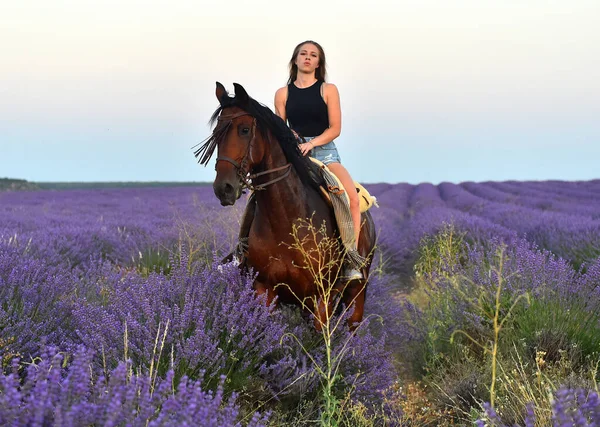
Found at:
(431, 90)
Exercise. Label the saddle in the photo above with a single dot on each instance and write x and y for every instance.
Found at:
(334, 186)
(338, 199)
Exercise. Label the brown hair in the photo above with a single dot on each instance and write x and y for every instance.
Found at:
(320, 72)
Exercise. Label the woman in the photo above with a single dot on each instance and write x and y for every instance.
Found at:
(312, 108)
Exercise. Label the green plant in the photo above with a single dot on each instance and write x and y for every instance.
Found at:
(441, 252)
(534, 379)
(553, 324)
(491, 310)
(153, 260)
(321, 257)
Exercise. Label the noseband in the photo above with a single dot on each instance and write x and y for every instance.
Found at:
(241, 167)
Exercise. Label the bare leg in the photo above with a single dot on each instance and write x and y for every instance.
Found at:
(348, 183)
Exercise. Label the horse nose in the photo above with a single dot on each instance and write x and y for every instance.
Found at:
(228, 188)
(225, 192)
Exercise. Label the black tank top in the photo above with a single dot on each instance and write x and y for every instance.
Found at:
(306, 110)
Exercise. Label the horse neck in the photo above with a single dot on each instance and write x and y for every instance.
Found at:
(286, 197)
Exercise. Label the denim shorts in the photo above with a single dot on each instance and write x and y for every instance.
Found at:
(326, 153)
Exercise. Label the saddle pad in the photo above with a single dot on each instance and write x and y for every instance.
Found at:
(366, 200)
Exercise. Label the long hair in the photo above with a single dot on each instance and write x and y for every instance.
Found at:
(320, 72)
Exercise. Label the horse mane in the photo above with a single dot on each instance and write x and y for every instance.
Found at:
(267, 121)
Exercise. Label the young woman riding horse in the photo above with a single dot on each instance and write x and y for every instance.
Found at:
(257, 150)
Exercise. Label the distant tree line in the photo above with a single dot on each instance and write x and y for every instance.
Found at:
(116, 184)
(11, 184)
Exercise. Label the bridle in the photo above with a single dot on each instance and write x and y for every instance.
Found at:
(241, 167)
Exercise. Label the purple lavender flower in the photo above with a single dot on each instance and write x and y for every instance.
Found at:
(53, 395)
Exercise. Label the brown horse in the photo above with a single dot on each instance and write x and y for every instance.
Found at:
(257, 150)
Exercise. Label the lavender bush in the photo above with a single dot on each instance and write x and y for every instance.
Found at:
(570, 408)
(35, 301)
(51, 394)
(561, 321)
(212, 322)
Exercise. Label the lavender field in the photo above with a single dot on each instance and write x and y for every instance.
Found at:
(483, 308)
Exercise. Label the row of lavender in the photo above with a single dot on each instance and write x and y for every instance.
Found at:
(119, 225)
(563, 217)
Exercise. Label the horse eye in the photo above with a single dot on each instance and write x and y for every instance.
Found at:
(245, 131)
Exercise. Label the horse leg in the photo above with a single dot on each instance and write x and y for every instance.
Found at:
(240, 250)
(323, 313)
(262, 289)
(354, 295)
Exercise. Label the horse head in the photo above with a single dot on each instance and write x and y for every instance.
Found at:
(240, 147)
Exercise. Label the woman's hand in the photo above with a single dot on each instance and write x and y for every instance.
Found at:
(306, 147)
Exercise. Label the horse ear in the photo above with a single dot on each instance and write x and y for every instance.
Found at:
(221, 93)
(241, 94)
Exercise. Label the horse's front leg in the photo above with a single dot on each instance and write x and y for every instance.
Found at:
(241, 248)
(262, 288)
(322, 313)
(354, 296)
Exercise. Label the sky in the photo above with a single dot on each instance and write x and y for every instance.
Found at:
(431, 90)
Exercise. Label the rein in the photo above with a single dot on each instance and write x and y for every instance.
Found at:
(242, 166)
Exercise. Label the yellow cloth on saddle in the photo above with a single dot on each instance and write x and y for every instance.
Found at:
(366, 200)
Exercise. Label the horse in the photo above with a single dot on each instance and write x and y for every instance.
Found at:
(256, 150)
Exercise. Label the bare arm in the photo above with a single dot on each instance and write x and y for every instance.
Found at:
(280, 100)
(332, 99)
